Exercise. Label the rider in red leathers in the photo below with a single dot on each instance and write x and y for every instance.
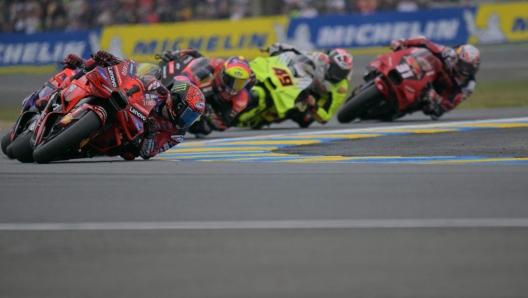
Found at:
(168, 122)
(225, 85)
(456, 83)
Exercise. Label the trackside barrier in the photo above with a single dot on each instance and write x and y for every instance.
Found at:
(484, 24)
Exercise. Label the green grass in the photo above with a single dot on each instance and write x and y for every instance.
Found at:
(497, 95)
(487, 95)
(9, 114)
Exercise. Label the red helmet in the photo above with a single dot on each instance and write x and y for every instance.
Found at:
(185, 104)
(340, 64)
(233, 76)
(468, 60)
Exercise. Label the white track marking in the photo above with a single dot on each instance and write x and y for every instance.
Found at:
(275, 224)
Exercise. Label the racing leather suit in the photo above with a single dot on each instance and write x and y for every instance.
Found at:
(449, 90)
(329, 96)
(160, 134)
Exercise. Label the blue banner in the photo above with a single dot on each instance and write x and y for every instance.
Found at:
(46, 48)
(444, 26)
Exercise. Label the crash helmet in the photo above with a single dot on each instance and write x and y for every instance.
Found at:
(150, 83)
(185, 104)
(149, 69)
(468, 60)
(339, 65)
(233, 77)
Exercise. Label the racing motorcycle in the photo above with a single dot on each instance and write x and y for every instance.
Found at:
(98, 114)
(27, 119)
(276, 94)
(395, 84)
(192, 62)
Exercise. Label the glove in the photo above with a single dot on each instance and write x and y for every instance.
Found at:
(433, 103)
(278, 48)
(73, 61)
(310, 101)
(41, 103)
(106, 57)
(168, 56)
(397, 44)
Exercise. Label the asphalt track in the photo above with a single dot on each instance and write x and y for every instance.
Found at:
(418, 209)
(180, 227)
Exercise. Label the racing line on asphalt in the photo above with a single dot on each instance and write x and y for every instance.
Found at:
(260, 149)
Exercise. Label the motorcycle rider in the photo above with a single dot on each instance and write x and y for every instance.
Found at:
(456, 84)
(169, 120)
(331, 71)
(225, 84)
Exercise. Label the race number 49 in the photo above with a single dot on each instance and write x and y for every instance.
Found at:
(283, 77)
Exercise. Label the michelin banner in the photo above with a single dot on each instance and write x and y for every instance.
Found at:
(445, 26)
(212, 38)
(48, 48)
(497, 23)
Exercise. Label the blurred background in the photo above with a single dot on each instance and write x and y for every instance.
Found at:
(36, 35)
(30, 16)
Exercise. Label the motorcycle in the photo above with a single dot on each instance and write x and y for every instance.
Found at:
(395, 85)
(191, 62)
(98, 114)
(275, 96)
(27, 119)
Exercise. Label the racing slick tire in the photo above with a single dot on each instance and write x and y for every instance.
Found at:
(67, 138)
(355, 105)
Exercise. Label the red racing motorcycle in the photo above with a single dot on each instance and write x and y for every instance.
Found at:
(395, 85)
(28, 117)
(96, 115)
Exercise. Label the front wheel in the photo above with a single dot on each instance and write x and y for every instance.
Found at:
(67, 138)
(22, 149)
(6, 140)
(355, 105)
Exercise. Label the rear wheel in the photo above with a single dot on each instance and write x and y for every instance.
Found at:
(355, 105)
(22, 149)
(6, 140)
(67, 138)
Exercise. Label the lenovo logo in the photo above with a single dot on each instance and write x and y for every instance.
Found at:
(138, 114)
(112, 77)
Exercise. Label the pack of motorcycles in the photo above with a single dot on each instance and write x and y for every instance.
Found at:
(98, 116)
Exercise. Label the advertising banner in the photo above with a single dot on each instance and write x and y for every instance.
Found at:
(498, 23)
(46, 48)
(212, 38)
(445, 26)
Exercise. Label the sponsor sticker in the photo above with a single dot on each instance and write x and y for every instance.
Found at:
(101, 112)
(171, 67)
(113, 79)
(177, 138)
(137, 113)
(200, 105)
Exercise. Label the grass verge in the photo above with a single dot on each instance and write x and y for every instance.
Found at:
(497, 95)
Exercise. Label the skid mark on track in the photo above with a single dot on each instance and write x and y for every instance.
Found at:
(260, 148)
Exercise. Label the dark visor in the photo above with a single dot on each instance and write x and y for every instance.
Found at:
(187, 117)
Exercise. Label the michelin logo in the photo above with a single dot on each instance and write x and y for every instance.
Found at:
(34, 53)
(383, 33)
(491, 34)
